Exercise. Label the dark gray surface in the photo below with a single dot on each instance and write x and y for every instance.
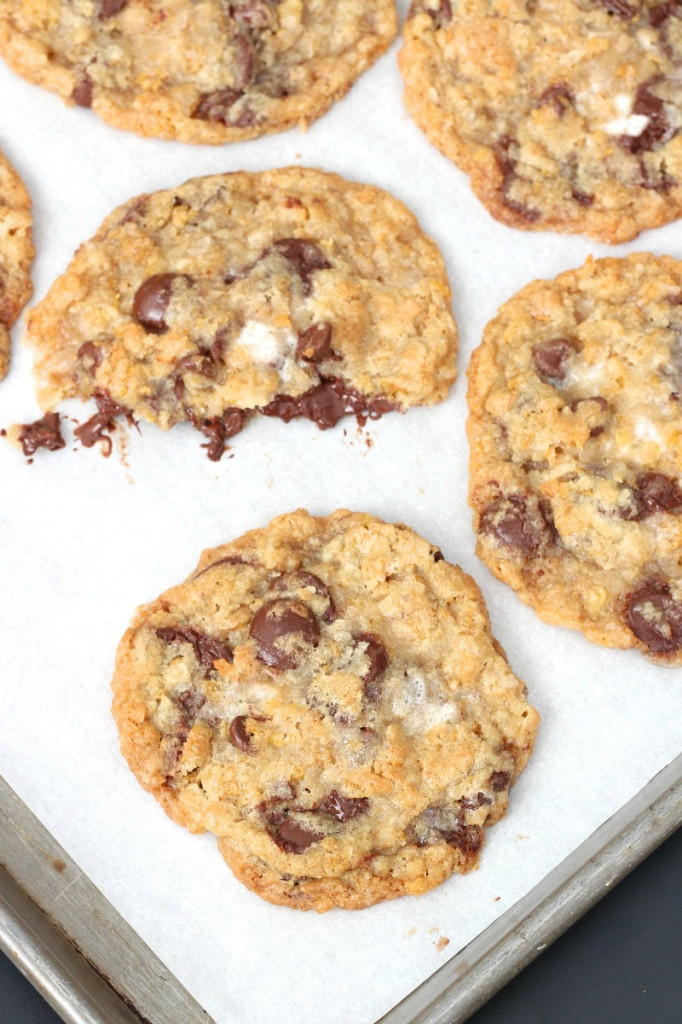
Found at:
(621, 964)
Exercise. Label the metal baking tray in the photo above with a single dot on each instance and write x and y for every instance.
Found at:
(92, 968)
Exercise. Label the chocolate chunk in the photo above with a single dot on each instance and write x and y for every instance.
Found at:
(305, 258)
(438, 555)
(343, 808)
(517, 523)
(620, 8)
(656, 492)
(472, 803)
(658, 129)
(90, 356)
(284, 632)
(551, 358)
(239, 736)
(440, 15)
(151, 302)
(215, 106)
(219, 429)
(207, 649)
(82, 91)
(289, 835)
(582, 197)
(378, 663)
(499, 781)
(292, 582)
(107, 8)
(93, 430)
(507, 165)
(655, 617)
(43, 433)
(659, 15)
(244, 62)
(560, 96)
(467, 838)
(192, 701)
(314, 344)
(327, 403)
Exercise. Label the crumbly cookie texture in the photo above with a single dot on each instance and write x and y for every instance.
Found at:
(575, 429)
(291, 292)
(567, 114)
(16, 254)
(325, 695)
(205, 72)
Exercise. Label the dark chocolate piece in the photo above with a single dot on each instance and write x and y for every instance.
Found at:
(207, 649)
(292, 582)
(43, 433)
(284, 631)
(192, 701)
(551, 358)
(467, 838)
(518, 525)
(499, 781)
(219, 430)
(327, 403)
(304, 256)
(314, 344)
(560, 96)
(93, 430)
(655, 617)
(239, 735)
(90, 356)
(107, 8)
(343, 808)
(658, 129)
(215, 106)
(507, 165)
(289, 835)
(151, 302)
(82, 91)
(378, 663)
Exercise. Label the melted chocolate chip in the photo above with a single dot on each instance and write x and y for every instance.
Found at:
(90, 356)
(43, 433)
(219, 429)
(93, 430)
(304, 256)
(472, 803)
(327, 403)
(582, 197)
(192, 702)
(289, 835)
(292, 582)
(658, 129)
(467, 838)
(551, 358)
(207, 649)
(517, 524)
(659, 15)
(378, 663)
(499, 781)
(284, 632)
(438, 555)
(151, 302)
(107, 8)
(215, 106)
(343, 808)
(560, 96)
(314, 344)
(655, 617)
(239, 735)
(82, 91)
(656, 492)
(507, 165)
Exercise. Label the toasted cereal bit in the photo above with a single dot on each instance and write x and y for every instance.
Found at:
(567, 114)
(324, 694)
(209, 72)
(289, 293)
(576, 451)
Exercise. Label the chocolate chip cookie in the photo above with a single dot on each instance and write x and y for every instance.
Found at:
(208, 72)
(567, 114)
(16, 254)
(576, 451)
(291, 292)
(324, 695)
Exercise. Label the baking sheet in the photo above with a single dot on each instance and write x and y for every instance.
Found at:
(85, 539)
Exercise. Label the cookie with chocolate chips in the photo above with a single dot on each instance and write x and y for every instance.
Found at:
(209, 72)
(567, 114)
(16, 254)
(288, 293)
(324, 695)
(575, 427)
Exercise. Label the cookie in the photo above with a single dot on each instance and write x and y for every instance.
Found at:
(324, 695)
(16, 254)
(290, 292)
(576, 451)
(209, 72)
(567, 114)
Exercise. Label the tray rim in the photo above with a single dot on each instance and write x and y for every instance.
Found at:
(51, 915)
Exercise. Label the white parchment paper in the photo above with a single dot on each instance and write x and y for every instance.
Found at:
(83, 540)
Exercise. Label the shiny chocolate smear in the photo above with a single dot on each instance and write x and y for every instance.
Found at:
(284, 632)
(207, 649)
(219, 430)
(326, 404)
(551, 358)
(289, 835)
(151, 302)
(239, 735)
(514, 522)
(90, 356)
(314, 344)
(343, 808)
(93, 430)
(43, 433)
